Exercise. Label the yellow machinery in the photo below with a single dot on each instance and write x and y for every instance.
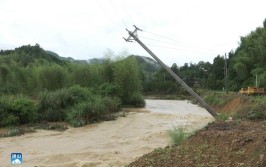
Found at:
(252, 91)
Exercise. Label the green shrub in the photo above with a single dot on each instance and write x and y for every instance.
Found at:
(112, 104)
(16, 110)
(177, 135)
(10, 120)
(222, 117)
(253, 112)
(258, 112)
(79, 94)
(136, 99)
(213, 99)
(51, 105)
(89, 112)
(110, 89)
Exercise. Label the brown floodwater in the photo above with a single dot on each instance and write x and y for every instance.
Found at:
(111, 143)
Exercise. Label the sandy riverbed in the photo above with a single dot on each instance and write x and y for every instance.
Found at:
(112, 143)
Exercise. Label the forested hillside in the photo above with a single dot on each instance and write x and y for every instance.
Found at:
(247, 62)
(36, 85)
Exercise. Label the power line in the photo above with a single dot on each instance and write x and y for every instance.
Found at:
(173, 45)
(118, 14)
(165, 37)
(175, 42)
(180, 49)
(125, 8)
(159, 40)
(104, 11)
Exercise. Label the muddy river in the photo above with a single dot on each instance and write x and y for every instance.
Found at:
(111, 143)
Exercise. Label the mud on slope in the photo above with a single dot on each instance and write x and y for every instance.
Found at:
(224, 144)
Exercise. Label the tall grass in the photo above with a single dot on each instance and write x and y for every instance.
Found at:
(177, 135)
(53, 105)
(92, 111)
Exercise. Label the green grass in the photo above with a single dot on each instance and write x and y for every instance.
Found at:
(177, 135)
(222, 117)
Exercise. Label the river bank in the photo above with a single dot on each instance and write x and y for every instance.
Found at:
(236, 138)
(110, 143)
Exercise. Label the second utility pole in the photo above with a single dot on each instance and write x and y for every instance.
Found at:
(180, 81)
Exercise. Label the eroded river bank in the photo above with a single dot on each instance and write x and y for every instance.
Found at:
(111, 143)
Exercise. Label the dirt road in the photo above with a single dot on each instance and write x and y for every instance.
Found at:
(112, 143)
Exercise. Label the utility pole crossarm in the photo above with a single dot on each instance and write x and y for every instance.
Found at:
(179, 80)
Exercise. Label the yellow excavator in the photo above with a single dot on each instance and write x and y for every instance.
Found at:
(252, 91)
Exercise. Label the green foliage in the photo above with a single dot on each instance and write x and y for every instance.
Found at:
(79, 94)
(255, 110)
(110, 89)
(51, 77)
(258, 112)
(126, 75)
(177, 135)
(217, 99)
(136, 99)
(16, 110)
(77, 105)
(243, 64)
(86, 112)
(113, 104)
(248, 60)
(52, 105)
(53, 82)
(92, 111)
(222, 117)
(213, 99)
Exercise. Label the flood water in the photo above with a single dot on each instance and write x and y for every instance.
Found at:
(111, 143)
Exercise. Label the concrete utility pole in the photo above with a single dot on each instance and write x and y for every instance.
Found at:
(180, 81)
(225, 73)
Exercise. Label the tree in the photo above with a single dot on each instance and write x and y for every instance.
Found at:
(126, 75)
(51, 77)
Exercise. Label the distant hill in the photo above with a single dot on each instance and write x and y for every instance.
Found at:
(67, 59)
(27, 54)
(96, 61)
(148, 64)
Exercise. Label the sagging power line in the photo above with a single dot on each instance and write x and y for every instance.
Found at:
(117, 15)
(176, 43)
(133, 36)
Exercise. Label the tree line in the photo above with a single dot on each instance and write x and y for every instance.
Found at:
(37, 86)
(246, 63)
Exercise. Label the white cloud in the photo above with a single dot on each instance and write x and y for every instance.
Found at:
(85, 29)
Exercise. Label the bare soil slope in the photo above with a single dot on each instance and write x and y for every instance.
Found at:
(222, 143)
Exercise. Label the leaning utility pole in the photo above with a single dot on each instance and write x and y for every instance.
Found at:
(180, 81)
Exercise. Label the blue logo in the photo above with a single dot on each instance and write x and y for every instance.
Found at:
(16, 158)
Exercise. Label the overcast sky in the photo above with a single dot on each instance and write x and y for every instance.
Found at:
(176, 31)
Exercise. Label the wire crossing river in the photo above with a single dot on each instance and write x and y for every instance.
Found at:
(111, 143)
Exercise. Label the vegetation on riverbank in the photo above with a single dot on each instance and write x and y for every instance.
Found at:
(37, 86)
(236, 138)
